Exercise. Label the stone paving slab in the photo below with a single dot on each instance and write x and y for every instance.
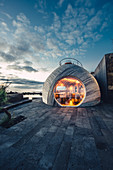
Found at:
(58, 138)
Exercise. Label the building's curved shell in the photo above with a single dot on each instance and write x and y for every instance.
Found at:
(92, 96)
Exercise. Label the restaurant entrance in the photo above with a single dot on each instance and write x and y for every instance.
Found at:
(69, 91)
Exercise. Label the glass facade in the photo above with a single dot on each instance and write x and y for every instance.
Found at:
(69, 91)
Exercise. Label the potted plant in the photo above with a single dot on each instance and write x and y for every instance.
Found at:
(3, 100)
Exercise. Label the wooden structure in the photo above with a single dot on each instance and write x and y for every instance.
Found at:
(91, 92)
(104, 75)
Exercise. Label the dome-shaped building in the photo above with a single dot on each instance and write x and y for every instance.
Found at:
(70, 85)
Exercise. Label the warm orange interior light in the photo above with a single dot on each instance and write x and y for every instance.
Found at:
(77, 81)
(69, 91)
(71, 87)
(61, 84)
(71, 103)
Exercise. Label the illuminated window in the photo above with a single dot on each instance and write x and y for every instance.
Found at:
(69, 91)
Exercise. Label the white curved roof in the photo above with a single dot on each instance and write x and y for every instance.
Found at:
(92, 89)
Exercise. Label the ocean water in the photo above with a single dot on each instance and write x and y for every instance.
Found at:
(21, 87)
(32, 96)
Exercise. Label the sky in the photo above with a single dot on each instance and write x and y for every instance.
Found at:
(36, 34)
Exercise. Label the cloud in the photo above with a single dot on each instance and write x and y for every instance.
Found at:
(60, 3)
(15, 67)
(28, 62)
(7, 57)
(86, 3)
(17, 84)
(44, 69)
(104, 25)
(4, 25)
(39, 29)
(22, 46)
(51, 43)
(3, 44)
(21, 68)
(29, 69)
(22, 81)
(95, 21)
(68, 33)
(25, 81)
(33, 42)
(56, 23)
(80, 27)
(70, 41)
(7, 15)
(28, 87)
(40, 5)
(19, 47)
(23, 19)
(80, 40)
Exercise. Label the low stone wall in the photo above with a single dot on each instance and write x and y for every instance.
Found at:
(14, 97)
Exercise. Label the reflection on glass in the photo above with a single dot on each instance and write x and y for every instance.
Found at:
(69, 91)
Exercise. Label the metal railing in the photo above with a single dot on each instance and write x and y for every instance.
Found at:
(70, 61)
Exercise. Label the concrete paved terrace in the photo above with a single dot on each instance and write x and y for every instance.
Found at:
(58, 138)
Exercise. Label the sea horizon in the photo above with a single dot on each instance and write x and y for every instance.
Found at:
(22, 85)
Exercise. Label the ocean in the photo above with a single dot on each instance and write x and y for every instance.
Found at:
(32, 96)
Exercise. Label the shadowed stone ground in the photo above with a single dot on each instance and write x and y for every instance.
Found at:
(58, 138)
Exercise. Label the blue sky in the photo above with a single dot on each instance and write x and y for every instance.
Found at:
(36, 34)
